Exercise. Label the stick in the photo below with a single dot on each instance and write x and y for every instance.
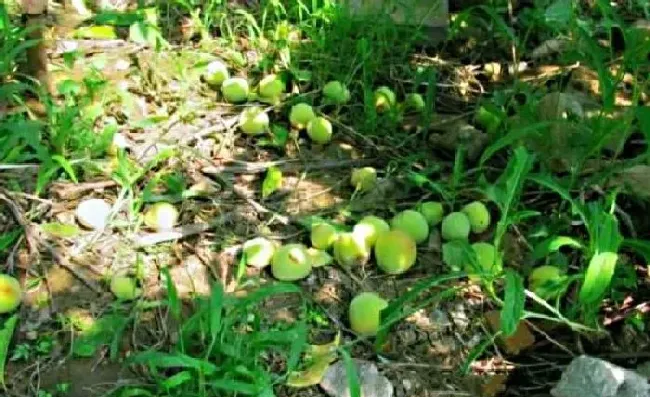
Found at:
(284, 165)
(148, 239)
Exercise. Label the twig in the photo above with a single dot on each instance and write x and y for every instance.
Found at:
(548, 337)
(70, 191)
(149, 239)
(62, 261)
(285, 166)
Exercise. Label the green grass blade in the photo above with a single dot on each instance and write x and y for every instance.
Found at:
(513, 303)
(164, 360)
(354, 385)
(598, 277)
(6, 334)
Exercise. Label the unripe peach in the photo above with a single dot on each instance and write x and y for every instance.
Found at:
(350, 250)
(161, 216)
(124, 288)
(216, 73)
(323, 236)
(259, 252)
(412, 223)
(319, 130)
(336, 92)
(235, 90)
(254, 121)
(395, 252)
(370, 227)
(271, 87)
(385, 99)
(455, 226)
(291, 262)
(363, 179)
(478, 215)
(432, 211)
(300, 115)
(10, 293)
(365, 313)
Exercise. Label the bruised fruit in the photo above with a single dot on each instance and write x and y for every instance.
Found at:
(93, 213)
(254, 121)
(216, 73)
(363, 178)
(259, 252)
(414, 102)
(478, 215)
(235, 90)
(124, 288)
(543, 281)
(336, 92)
(291, 262)
(271, 87)
(488, 260)
(319, 258)
(300, 115)
(369, 228)
(350, 250)
(455, 226)
(395, 252)
(319, 130)
(323, 236)
(365, 313)
(432, 212)
(385, 99)
(161, 216)
(10, 293)
(412, 223)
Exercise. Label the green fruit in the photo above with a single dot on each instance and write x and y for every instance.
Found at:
(300, 115)
(395, 252)
(235, 90)
(432, 212)
(10, 293)
(350, 250)
(412, 223)
(93, 213)
(161, 216)
(323, 236)
(455, 226)
(543, 281)
(369, 228)
(363, 179)
(365, 313)
(271, 86)
(291, 262)
(216, 73)
(385, 99)
(336, 92)
(259, 252)
(319, 258)
(478, 215)
(254, 121)
(124, 288)
(319, 130)
(415, 102)
(488, 260)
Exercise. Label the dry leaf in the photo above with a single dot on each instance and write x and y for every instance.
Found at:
(520, 340)
(319, 357)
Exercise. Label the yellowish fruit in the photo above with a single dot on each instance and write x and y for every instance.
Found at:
(216, 73)
(412, 223)
(489, 261)
(395, 252)
(415, 102)
(323, 236)
(319, 130)
(543, 279)
(10, 293)
(363, 179)
(161, 216)
(300, 115)
(271, 86)
(319, 258)
(365, 313)
(432, 211)
(254, 121)
(336, 92)
(385, 99)
(291, 262)
(259, 252)
(235, 90)
(93, 213)
(455, 226)
(370, 227)
(124, 288)
(350, 250)
(478, 215)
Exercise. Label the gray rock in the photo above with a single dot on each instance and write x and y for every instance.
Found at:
(373, 384)
(593, 377)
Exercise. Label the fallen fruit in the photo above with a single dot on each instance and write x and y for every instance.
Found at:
(235, 90)
(432, 212)
(478, 215)
(259, 252)
(254, 121)
(119, 143)
(365, 313)
(93, 213)
(370, 227)
(412, 223)
(395, 252)
(300, 115)
(488, 260)
(336, 92)
(319, 130)
(291, 262)
(455, 226)
(271, 87)
(124, 288)
(319, 258)
(363, 179)
(415, 102)
(161, 216)
(10, 293)
(216, 73)
(543, 281)
(350, 250)
(323, 236)
(385, 99)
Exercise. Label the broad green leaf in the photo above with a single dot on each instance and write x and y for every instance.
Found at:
(272, 181)
(553, 244)
(513, 302)
(551, 183)
(177, 380)
(354, 385)
(559, 12)
(216, 310)
(641, 247)
(604, 232)
(319, 358)
(172, 295)
(95, 33)
(67, 167)
(511, 138)
(598, 277)
(7, 239)
(164, 360)
(61, 230)
(6, 334)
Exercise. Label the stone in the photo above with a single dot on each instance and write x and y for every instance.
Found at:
(590, 376)
(373, 384)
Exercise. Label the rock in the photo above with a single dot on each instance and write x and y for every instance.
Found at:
(590, 376)
(644, 369)
(191, 277)
(373, 384)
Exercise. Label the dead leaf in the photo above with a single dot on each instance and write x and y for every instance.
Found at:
(548, 48)
(520, 340)
(319, 357)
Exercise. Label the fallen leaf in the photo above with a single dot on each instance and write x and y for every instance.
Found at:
(62, 230)
(319, 357)
(520, 340)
